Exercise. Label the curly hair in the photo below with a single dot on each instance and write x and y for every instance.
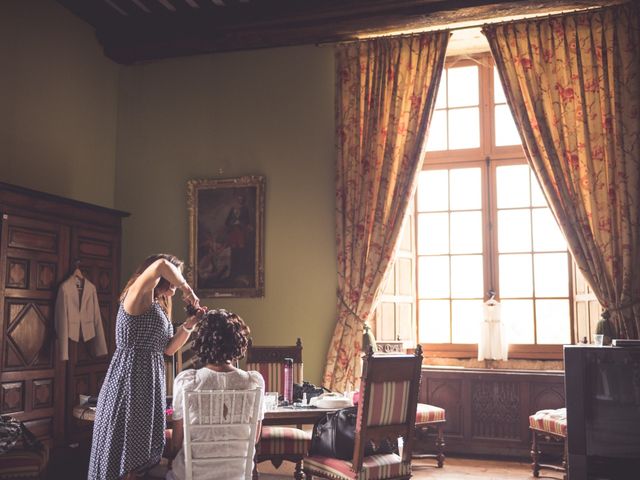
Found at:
(222, 337)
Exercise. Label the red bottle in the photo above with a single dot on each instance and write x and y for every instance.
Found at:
(288, 380)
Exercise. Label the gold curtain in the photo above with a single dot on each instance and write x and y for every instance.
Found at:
(385, 93)
(573, 85)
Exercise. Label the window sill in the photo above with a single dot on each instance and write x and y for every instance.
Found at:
(516, 352)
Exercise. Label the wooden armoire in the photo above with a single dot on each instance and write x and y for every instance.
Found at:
(43, 238)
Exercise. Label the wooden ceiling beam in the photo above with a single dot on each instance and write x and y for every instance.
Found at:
(276, 23)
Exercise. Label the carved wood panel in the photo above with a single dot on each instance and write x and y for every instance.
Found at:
(12, 397)
(42, 394)
(17, 273)
(28, 340)
(30, 237)
(487, 410)
(495, 409)
(448, 392)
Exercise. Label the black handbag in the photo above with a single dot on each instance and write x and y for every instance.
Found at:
(334, 436)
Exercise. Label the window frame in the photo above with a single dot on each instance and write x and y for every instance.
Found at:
(488, 157)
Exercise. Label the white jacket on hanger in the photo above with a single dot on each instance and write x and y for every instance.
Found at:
(77, 311)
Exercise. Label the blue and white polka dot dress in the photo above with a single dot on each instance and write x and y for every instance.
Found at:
(128, 433)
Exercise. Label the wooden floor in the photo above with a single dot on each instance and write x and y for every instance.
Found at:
(471, 469)
(454, 469)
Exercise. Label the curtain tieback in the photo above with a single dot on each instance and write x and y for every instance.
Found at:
(623, 306)
(351, 311)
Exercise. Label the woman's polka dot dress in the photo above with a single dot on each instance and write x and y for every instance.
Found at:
(128, 433)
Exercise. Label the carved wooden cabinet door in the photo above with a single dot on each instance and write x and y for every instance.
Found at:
(97, 252)
(33, 254)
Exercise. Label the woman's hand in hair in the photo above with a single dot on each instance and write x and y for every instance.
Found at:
(189, 296)
(196, 318)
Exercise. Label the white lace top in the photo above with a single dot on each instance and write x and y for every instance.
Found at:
(207, 379)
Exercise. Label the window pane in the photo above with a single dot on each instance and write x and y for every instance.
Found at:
(466, 317)
(506, 130)
(552, 321)
(546, 233)
(404, 321)
(404, 244)
(466, 189)
(466, 276)
(405, 270)
(390, 284)
(437, 136)
(518, 318)
(512, 184)
(441, 99)
(434, 321)
(387, 321)
(515, 276)
(433, 191)
(466, 232)
(537, 197)
(514, 231)
(498, 91)
(463, 86)
(464, 128)
(433, 277)
(551, 274)
(433, 233)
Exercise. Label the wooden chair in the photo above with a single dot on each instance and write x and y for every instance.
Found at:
(431, 418)
(220, 436)
(550, 425)
(278, 444)
(386, 411)
(269, 361)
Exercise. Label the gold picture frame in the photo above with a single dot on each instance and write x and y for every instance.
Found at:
(226, 236)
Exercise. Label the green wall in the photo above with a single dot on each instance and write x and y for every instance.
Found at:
(263, 112)
(58, 100)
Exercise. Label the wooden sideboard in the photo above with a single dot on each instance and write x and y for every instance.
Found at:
(42, 236)
(488, 409)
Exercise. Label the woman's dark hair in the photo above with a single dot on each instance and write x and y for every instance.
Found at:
(222, 337)
(163, 284)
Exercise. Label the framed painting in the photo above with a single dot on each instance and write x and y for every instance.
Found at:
(226, 236)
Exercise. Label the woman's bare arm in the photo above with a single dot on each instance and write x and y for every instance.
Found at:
(140, 294)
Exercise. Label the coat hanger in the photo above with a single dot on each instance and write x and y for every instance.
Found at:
(77, 273)
(492, 298)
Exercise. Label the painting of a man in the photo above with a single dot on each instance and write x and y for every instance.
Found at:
(228, 219)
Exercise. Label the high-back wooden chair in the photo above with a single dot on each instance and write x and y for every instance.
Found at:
(269, 361)
(386, 411)
(279, 443)
(219, 438)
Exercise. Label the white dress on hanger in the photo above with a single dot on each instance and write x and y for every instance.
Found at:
(493, 343)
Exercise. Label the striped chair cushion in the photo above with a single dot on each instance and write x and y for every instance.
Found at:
(23, 464)
(283, 440)
(273, 374)
(374, 467)
(388, 403)
(551, 421)
(429, 413)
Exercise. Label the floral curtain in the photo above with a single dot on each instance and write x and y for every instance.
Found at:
(385, 93)
(573, 85)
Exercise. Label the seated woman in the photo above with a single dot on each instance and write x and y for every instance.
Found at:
(222, 338)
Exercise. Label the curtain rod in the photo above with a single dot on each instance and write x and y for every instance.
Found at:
(476, 25)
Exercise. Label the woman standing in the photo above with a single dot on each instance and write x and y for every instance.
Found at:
(128, 433)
